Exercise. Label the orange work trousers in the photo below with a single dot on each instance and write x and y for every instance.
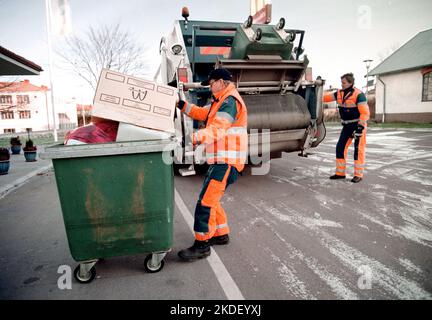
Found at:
(210, 217)
(345, 140)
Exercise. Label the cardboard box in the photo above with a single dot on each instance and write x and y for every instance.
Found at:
(136, 101)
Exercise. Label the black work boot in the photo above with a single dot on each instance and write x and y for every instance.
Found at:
(220, 240)
(335, 177)
(199, 250)
(356, 179)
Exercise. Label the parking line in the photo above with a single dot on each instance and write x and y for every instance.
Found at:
(227, 283)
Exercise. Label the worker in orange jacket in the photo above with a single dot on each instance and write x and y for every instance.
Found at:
(354, 112)
(226, 141)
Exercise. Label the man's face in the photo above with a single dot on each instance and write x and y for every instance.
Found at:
(216, 85)
(345, 84)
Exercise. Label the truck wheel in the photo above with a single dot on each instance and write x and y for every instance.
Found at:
(152, 269)
(89, 278)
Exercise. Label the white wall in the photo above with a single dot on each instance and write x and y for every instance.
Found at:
(37, 108)
(39, 113)
(403, 93)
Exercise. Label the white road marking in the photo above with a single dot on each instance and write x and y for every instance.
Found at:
(424, 156)
(386, 277)
(411, 267)
(227, 283)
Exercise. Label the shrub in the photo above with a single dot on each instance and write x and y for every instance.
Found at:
(15, 141)
(29, 146)
(4, 154)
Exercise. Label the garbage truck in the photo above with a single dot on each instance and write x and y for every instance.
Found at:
(269, 67)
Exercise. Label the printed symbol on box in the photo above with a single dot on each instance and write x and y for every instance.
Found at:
(115, 77)
(109, 99)
(165, 91)
(162, 111)
(136, 104)
(138, 94)
(141, 84)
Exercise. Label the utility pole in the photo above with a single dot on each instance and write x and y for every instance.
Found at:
(49, 22)
(368, 63)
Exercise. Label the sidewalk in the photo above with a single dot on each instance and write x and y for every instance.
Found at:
(21, 171)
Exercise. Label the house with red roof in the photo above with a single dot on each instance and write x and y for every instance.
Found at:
(25, 106)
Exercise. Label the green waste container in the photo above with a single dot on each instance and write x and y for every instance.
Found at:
(116, 199)
(270, 44)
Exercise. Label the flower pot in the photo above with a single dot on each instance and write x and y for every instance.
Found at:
(30, 156)
(16, 149)
(4, 167)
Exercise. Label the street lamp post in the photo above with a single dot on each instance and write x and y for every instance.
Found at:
(368, 63)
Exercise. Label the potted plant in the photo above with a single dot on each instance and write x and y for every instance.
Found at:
(30, 151)
(15, 145)
(4, 161)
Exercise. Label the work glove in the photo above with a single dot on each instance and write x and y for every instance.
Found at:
(180, 104)
(359, 131)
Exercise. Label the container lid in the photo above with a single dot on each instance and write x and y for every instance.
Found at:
(61, 151)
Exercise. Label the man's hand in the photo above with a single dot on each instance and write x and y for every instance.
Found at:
(180, 104)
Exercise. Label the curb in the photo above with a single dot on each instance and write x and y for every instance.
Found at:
(21, 181)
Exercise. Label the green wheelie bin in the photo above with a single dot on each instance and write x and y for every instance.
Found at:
(116, 200)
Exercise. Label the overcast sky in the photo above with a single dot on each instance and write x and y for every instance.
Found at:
(340, 34)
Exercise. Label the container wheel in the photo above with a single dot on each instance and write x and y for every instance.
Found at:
(281, 24)
(149, 267)
(258, 34)
(248, 23)
(89, 278)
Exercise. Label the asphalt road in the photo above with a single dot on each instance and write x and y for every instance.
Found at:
(295, 234)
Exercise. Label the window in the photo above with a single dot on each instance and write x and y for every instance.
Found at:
(23, 99)
(7, 115)
(5, 99)
(427, 87)
(25, 114)
(9, 131)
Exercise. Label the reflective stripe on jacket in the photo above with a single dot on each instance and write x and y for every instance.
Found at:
(225, 135)
(352, 104)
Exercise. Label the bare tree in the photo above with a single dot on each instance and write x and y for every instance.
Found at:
(103, 47)
(387, 52)
(4, 88)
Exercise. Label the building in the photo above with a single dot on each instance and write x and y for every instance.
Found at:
(404, 82)
(24, 106)
(12, 64)
(84, 114)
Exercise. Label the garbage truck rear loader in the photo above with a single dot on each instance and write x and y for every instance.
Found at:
(284, 109)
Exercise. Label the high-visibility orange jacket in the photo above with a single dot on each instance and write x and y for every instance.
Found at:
(225, 135)
(352, 104)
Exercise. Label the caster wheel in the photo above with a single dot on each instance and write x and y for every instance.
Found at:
(152, 269)
(90, 277)
(258, 34)
(292, 36)
(281, 24)
(248, 22)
